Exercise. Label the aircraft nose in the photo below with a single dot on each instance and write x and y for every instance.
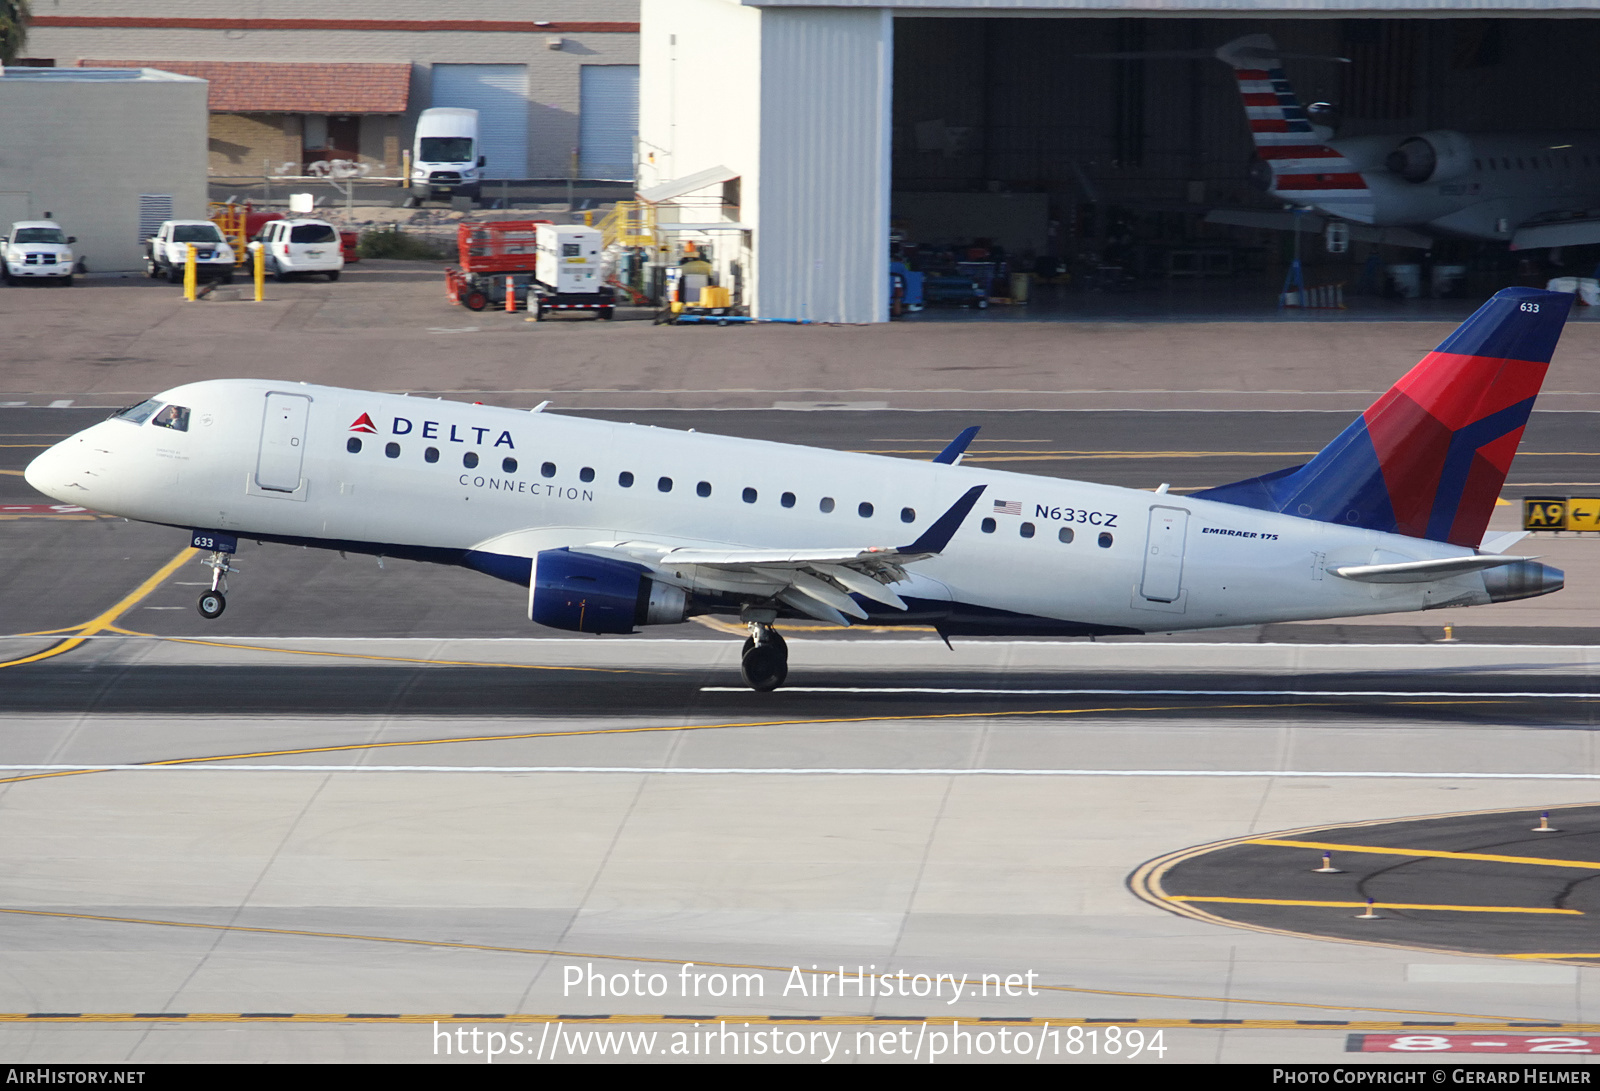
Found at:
(54, 472)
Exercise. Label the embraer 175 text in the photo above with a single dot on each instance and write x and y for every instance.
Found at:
(613, 526)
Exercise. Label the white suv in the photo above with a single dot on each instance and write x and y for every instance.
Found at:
(35, 250)
(167, 251)
(301, 246)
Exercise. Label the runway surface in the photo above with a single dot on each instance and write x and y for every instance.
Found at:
(366, 800)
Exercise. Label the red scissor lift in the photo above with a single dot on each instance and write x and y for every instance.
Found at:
(493, 256)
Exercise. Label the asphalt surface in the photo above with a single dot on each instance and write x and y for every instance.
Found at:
(1533, 894)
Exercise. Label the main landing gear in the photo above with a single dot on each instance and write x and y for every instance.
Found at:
(765, 660)
(214, 601)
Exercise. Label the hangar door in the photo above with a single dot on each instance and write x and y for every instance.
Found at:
(499, 92)
(608, 123)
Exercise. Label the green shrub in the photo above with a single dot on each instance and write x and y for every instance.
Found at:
(392, 242)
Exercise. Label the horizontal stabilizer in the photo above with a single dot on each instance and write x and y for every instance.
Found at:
(1422, 571)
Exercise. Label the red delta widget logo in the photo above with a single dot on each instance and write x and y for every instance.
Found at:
(430, 429)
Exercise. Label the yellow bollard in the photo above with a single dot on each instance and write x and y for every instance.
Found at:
(191, 276)
(260, 270)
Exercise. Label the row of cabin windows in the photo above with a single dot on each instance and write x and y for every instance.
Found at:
(626, 479)
(1532, 162)
(1065, 534)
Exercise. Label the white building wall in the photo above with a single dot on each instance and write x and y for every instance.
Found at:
(822, 239)
(85, 149)
(797, 103)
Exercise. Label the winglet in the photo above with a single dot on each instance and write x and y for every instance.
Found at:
(958, 447)
(936, 537)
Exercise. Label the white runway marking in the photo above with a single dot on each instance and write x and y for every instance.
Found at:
(634, 770)
(936, 691)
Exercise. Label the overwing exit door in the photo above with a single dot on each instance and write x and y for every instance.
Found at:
(1163, 554)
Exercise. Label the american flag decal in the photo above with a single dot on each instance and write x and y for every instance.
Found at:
(1008, 507)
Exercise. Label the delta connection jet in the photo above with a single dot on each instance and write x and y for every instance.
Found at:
(607, 527)
(1528, 189)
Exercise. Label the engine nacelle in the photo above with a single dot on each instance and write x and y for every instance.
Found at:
(587, 594)
(1441, 155)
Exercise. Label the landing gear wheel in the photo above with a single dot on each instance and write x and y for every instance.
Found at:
(765, 665)
(211, 605)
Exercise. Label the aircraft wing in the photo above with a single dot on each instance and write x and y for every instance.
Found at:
(1532, 236)
(1313, 223)
(816, 582)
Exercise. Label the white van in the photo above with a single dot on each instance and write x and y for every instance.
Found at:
(301, 246)
(445, 162)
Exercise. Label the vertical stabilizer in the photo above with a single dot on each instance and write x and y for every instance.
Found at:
(1429, 458)
(1304, 169)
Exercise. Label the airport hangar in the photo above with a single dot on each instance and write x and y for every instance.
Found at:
(799, 136)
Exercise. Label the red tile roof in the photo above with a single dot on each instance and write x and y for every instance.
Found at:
(255, 87)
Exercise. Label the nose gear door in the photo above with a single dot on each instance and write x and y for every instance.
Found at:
(283, 442)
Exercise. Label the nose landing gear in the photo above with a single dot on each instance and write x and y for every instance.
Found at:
(214, 601)
(765, 659)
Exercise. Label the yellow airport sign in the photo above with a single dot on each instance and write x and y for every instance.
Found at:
(1583, 513)
(1561, 513)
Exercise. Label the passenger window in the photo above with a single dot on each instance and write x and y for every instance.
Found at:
(586, 474)
(508, 465)
(175, 417)
(908, 515)
(353, 445)
(664, 484)
(703, 489)
(392, 450)
(1065, 534)
(1105, 540)
(827, 504)
(548, 469)
(625, 479)
(431, 455)
(864, 510)
(1026, 530)
(749, 496)
(470, 460)
(987, 526)
(787, 499)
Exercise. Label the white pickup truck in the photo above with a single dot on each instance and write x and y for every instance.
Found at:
(37, 250)
(167, 251)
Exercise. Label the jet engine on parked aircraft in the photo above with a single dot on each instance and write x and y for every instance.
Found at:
(1441, 155)
(587, 594)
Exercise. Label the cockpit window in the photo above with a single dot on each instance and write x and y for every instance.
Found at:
(175, 417)
(138, 414)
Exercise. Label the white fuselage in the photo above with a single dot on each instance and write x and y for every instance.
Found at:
(274, 461)
(1488, 186)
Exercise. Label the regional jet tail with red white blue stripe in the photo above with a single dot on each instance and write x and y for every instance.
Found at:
(1530, 190)
(602, 528)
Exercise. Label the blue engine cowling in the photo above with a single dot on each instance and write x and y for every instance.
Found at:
(587, 594)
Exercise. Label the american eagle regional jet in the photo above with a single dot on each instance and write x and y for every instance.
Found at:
(1528, 189)
(612, 526)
